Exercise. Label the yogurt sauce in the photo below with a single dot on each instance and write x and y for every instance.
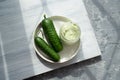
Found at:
(70, 33)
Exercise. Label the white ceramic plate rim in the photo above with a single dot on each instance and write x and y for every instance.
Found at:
(34, 46)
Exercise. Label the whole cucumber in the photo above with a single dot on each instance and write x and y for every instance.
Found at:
(47, 49)
(51, 34)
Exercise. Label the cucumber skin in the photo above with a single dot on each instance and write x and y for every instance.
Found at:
(51, 34)
(47, 49)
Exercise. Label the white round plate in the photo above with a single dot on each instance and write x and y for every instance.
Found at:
(68, 52)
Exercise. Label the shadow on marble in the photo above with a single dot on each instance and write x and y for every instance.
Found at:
(2, 0)
(71, 70)
(15, 53)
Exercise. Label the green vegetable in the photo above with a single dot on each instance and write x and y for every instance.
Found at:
(47, 49)
(51, 34)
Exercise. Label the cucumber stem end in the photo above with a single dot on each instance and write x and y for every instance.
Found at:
(44, 16)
